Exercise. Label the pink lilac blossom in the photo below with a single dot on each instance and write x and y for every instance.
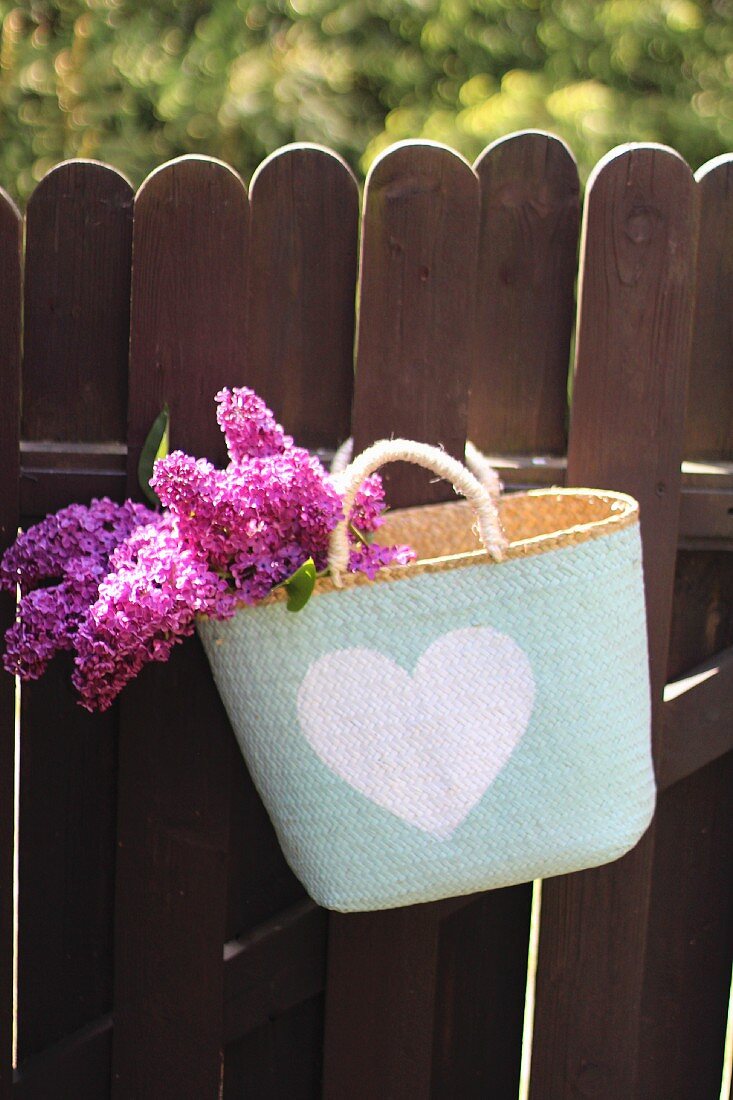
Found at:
(131, 583)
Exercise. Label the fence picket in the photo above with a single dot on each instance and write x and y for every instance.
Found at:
(299, 357)
(466, 289)
(688, 966)
(176, 749)
(626, 427)
(416, 341)
(77, 279)
(526, 265)
(527, 268)
(415, 351)
(10, 326)
(305, 209)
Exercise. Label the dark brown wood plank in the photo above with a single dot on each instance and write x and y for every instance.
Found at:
(414, 359)
(380, 1002)
(187, 340)
(709, 426)
(10, 326)
(77, 278)
(687, 981)
(281, 1060)
(481, 983)
(77, 274)
(416, 342)
(698, 719)
(299, 357)
(273, 969)
(77, 1068)
(626, 430)
(527, 269)
(527, 265)
(305, 209)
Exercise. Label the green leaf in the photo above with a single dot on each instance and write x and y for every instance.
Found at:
(155, 446)
(300, 586)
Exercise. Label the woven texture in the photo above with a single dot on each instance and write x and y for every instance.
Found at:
(467, 725)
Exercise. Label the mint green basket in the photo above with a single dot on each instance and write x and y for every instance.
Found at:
(476, 719)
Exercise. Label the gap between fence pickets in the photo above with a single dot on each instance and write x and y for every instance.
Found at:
(698, 719)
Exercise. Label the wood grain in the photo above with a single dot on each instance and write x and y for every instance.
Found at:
(709, 425)
(385, 970)
(416, 341)
(633, 347)
(299, 357)
(690, 939)
(79, 226)
(305, 209)
(77, 279)
(527, 267)
(698, 719)
(10, 333)
(188, 337)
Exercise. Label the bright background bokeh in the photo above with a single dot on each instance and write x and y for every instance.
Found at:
(135, 82)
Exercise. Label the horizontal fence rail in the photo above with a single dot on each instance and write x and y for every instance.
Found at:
(164, 948)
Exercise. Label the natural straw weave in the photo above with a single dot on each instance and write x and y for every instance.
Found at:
(536, 522)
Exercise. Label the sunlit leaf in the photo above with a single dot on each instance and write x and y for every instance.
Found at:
(155, 446)
(300, 586)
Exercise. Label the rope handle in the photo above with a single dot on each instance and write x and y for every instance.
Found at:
(444, 465)
(476, 461)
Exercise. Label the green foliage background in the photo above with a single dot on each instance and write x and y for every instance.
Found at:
(134, 82)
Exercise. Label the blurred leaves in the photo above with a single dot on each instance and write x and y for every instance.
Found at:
(135, 82)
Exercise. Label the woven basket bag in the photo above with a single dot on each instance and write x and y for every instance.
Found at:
(475, 719)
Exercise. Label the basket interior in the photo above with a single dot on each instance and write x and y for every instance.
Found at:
(529, 520)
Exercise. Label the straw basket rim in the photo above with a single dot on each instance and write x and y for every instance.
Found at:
(606, 512)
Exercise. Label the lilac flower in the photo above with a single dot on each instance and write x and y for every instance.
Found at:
(258, 521)
(72, 547)
(370, 559)
(130, 583)
(49, 618)
(42, 552)
(249, 427)
(145, 606)
(368, 505)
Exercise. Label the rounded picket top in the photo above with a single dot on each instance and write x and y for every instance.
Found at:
(189, 300)
(709, 424)
(416, 297)
(9, 212)
(527, 266)
(77, 303)
(529, 147)
(191, 166)
(299, 156)
(303, 259)
(717, 168)
(78, 171)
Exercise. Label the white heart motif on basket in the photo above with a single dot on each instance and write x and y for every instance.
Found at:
(425, 747)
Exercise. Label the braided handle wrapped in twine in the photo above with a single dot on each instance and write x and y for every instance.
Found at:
(444, 465)
(476, 461)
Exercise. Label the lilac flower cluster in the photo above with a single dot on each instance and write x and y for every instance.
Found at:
(129, 583)
(67, 554)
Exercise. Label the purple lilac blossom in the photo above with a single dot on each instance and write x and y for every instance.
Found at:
(73, 548)
(145, 606)
(43, 551)
(249, 427)
(130, 583)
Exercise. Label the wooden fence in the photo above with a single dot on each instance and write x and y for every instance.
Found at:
(164, 949)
